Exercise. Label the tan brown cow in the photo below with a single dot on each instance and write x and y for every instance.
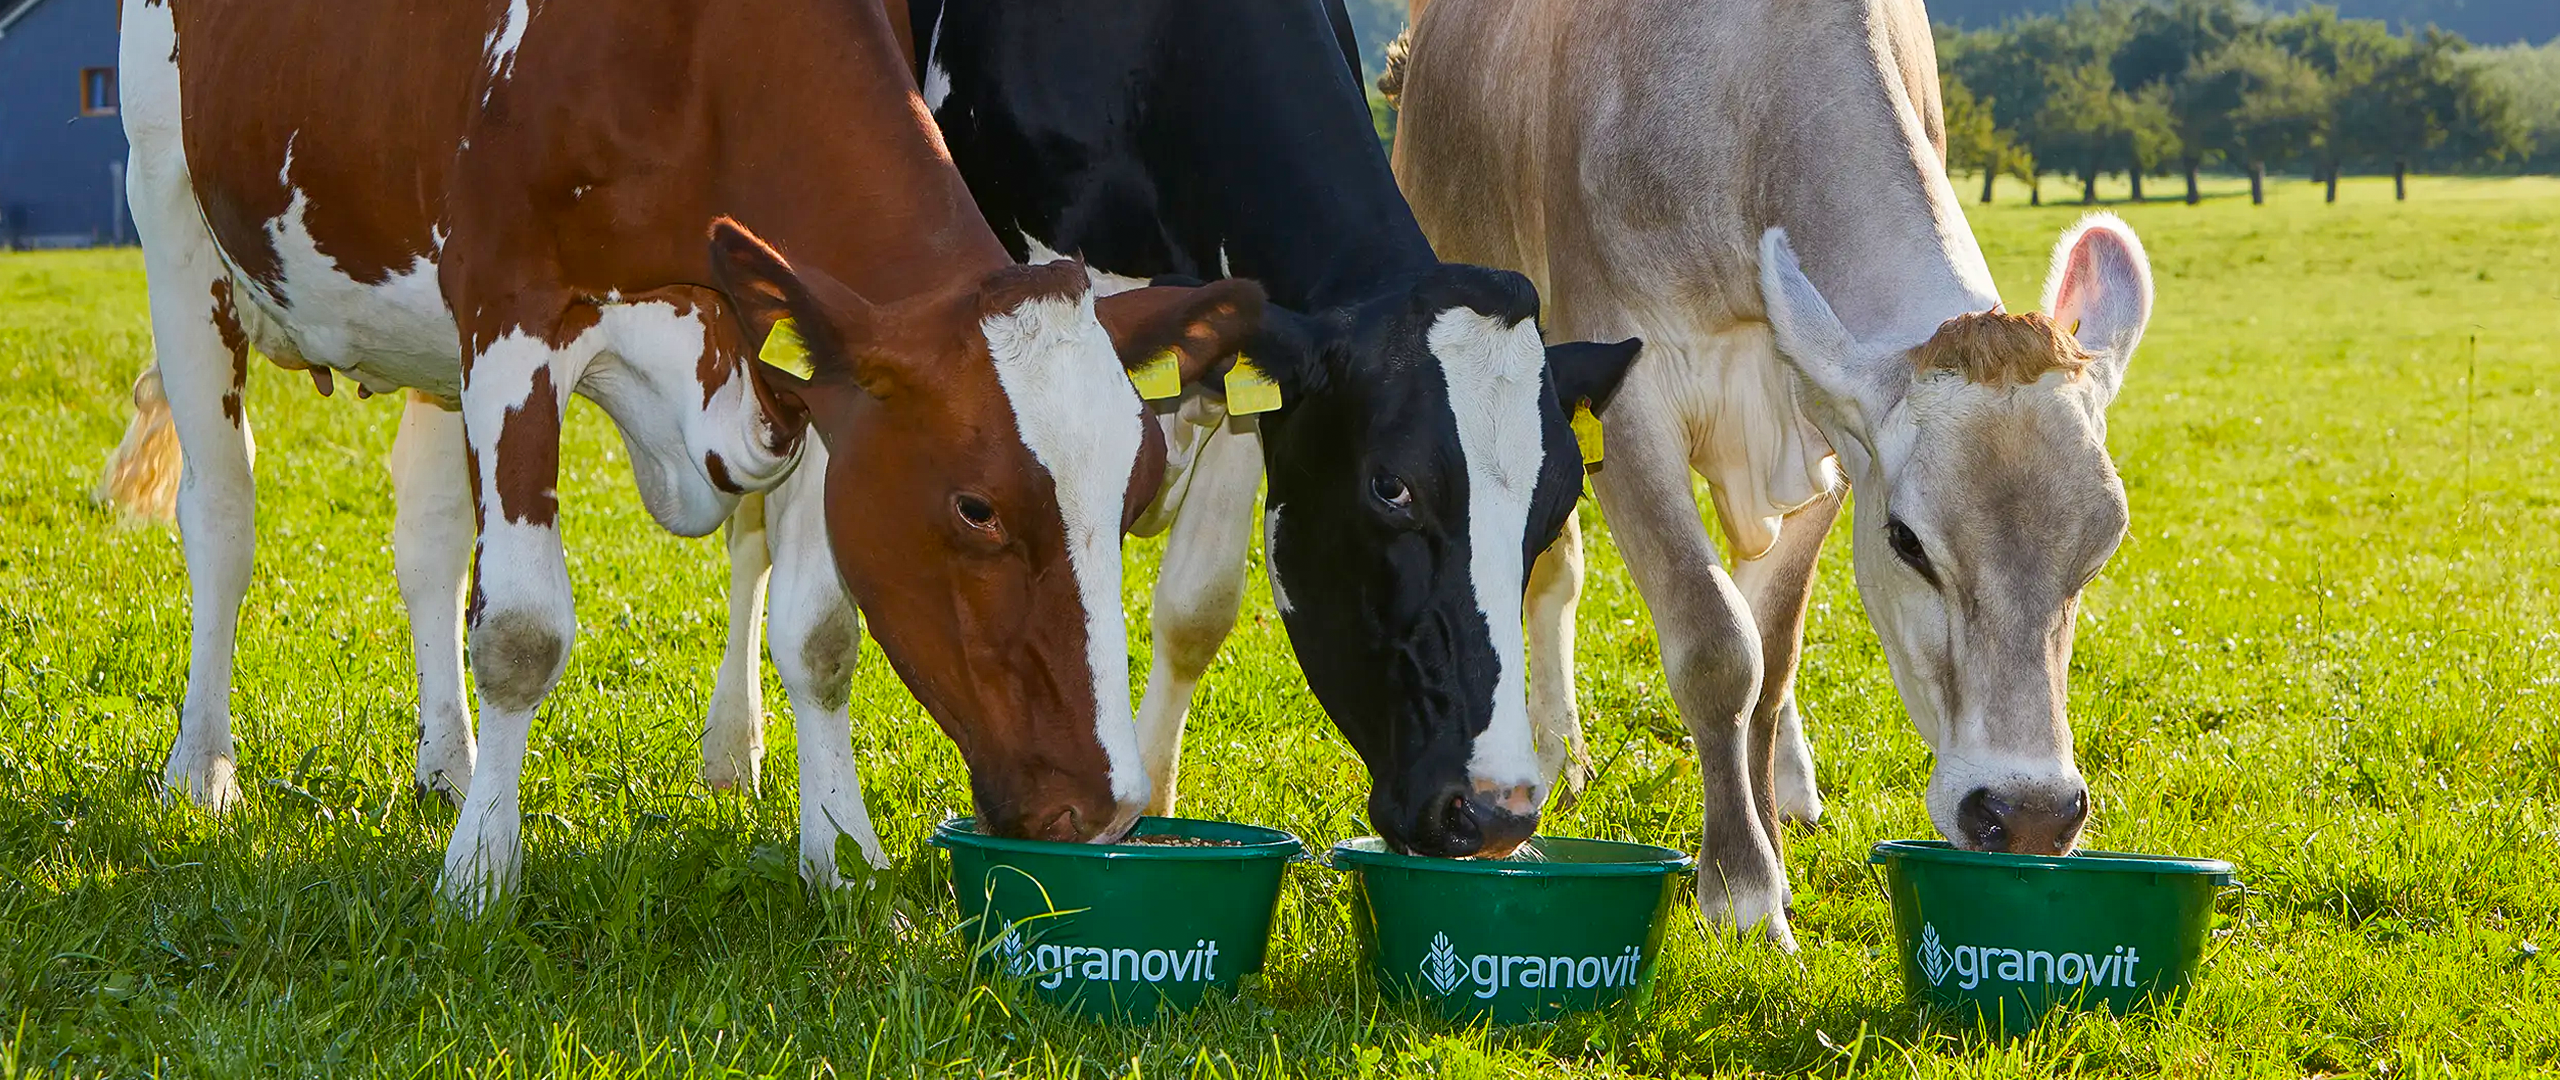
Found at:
(1757, 187)
(495, 204)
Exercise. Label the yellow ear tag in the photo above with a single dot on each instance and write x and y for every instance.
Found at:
(1249, 391)
(784, 349)
(1160, 377)
(1586, 433)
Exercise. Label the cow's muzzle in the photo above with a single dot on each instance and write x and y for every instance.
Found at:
(2034, 821)
(1470, 821)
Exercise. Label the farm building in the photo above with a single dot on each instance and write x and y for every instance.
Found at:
(62, 145)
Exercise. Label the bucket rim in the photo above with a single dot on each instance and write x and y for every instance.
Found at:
(1252, 841)
(1640, 860)
(2119, 862)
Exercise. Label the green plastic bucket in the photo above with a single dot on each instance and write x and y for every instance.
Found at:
(1119, 931)
(1559, 926)
(2000, 939)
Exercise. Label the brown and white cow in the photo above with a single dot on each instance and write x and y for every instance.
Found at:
(492, 205)
(1757, 188)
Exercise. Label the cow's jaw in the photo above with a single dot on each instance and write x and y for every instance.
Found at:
(1078, 415)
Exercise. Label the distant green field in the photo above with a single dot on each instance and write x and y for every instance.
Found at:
(2330, 652)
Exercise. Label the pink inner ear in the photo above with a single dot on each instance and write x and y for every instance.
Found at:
(2080, 284)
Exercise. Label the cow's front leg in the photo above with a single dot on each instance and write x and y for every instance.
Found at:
(817, 637)
(1555, 592)
(431, 556)
(1710, 649)
(733, 731)
(1778, 585)
(521, 621)
(1199, 587)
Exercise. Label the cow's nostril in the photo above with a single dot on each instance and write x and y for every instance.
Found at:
(1983, 818)
(1460, 833)
(1065, 825)
(1499, 828)
(2076, 814)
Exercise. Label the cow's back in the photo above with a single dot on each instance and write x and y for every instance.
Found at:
(366, 102)
(1638, 149)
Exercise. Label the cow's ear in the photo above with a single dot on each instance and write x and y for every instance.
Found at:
(1812, 340)
(1171, 336)
(798, 329)
(1590, 371)
(2099, 291)
(1299, 353)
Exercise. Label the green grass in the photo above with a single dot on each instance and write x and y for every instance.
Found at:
(2330, 652)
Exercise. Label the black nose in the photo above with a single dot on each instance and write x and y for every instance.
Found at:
(2027, 823)
(1460, 822)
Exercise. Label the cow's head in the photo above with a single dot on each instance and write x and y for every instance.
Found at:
(1422, 460)
(985, 451)
(1986, 502)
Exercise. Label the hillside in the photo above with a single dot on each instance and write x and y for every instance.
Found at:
(2485, 22)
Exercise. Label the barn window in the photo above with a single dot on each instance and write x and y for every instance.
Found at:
(97, 91)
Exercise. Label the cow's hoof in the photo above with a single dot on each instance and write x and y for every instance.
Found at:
(210, 782)
(448, 782)
(1753, 911)
(478, 873)
(724, 772)
(442, 787)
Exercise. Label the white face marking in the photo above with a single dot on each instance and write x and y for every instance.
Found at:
(1493, 372)
(1271, 558)
(937, 82)
(1079, 418)
(500, 48)
(1105, 283)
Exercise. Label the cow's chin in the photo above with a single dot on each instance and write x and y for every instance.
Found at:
(1120, 828)
(1501, 850)
(1065, 822)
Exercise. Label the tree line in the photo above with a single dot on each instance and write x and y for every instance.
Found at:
(2154, 87)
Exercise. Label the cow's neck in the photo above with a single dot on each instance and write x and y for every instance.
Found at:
(1868, 206)
(876, 203)
(1304, 203)
(1275, 175)
(1319, 224)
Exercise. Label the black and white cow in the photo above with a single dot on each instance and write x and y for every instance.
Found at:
(1422, 457)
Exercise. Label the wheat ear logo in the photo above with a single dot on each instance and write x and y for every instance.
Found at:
(1442, 968)
(1934, 961)
(1009, 951)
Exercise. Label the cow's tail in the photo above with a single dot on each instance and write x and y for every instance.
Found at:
(1391, 80)
(141, 477)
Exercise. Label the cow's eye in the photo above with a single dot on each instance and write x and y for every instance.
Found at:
(1388, 489)
(1906, 546)
(975, 512)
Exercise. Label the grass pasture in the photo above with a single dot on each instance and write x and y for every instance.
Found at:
(2330, 652)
